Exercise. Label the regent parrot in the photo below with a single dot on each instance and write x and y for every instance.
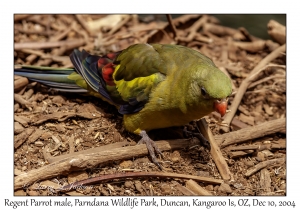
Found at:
(152, 85)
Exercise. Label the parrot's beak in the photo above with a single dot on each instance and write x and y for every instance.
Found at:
(220, 106)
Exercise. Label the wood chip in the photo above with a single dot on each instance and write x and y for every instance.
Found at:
(196, 189)
(37, 133)
(265, 182)
(23, 120)
(246, 119)
(22, 137)
(20, 83)
(184, 190)
(18, 128)
(225, 188)
(77, 176)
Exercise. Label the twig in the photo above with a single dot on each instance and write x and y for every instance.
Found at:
(69, 44)
(251, 132)
(266, 79)
(247, 35)
(219, 30)
(246, 82)
(81, 32)
(62, 34)
(239, 154)
(19, 99)
(40, 19)
(73, 154)
(264, 164)
(18, 28)
(21, 17)
(119, 25)
(173, 27)
(30, 59)
(139, 174)
(278, 145)
(84, 161)
(253, 47)
(194, 29)
(84, 25)
(215, 150)
(185, 18)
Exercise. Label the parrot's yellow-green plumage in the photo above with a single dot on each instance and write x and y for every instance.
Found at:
(152, 85)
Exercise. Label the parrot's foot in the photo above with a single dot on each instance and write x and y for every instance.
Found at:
(203, 140)
(151, 146)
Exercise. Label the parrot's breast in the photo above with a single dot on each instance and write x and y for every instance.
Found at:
(167, 107)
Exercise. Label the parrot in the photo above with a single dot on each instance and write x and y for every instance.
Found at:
(152, 85)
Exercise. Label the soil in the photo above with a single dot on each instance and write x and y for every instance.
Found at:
(49, 124)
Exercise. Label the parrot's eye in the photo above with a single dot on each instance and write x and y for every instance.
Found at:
(203, 92)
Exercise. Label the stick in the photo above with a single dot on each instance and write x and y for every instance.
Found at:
(69, 44)
(119, 25)
(281, 144)
(73, 154)
(219, 30)
(215, 150)
(84, 161)
(264, 164)
(246, 82)
(173, 27)
(193, 29)
(62, 34)
(84, 25)
(253, 47)
(251, 132)
(239, 154)
(102, 178)
(18, 98)
(21, 17)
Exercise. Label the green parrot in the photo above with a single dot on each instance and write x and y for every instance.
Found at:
(152, 85)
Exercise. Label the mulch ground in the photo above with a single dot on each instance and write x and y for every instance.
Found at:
(62, 138)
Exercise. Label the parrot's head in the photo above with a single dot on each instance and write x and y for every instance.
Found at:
(210, 88)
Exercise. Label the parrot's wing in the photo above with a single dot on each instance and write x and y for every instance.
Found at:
(139, 69)
(125, 78)
(140, 60)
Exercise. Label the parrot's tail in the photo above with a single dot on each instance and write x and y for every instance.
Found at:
(86, 77)
(56, 78)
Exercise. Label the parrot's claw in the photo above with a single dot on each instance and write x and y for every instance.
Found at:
(151, 146)
(199, 135)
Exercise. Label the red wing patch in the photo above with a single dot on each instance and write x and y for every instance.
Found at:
(107, 74)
